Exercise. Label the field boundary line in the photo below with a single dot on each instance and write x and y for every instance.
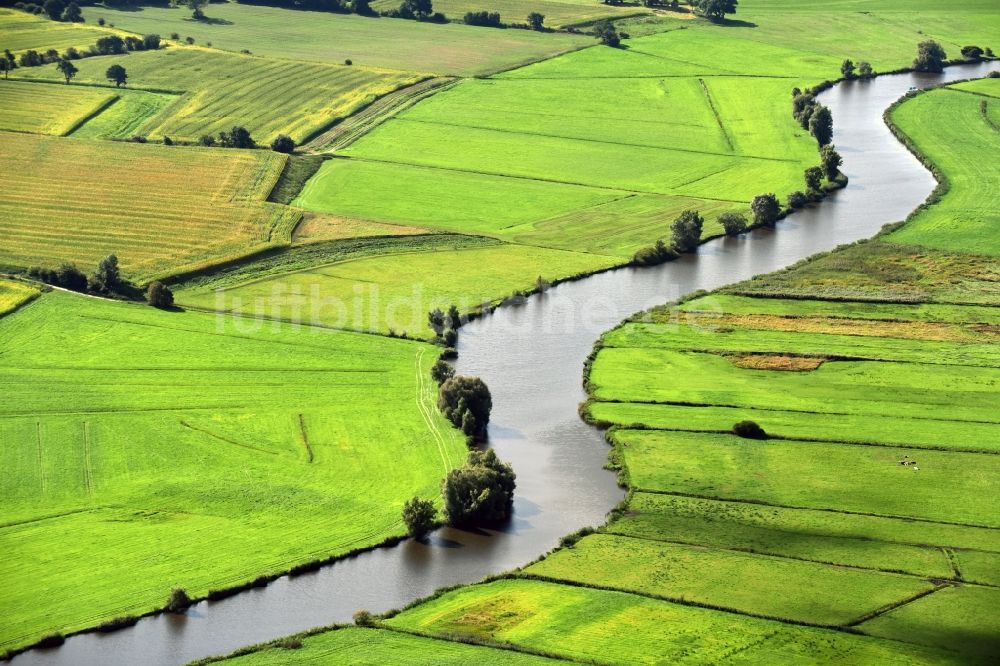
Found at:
(493, 644)
(757, 502)
(224, 439)
(101, 108)
(88, 474)
(684, 403)
(718, 118)
(759, 553)
(888, 608)
(305, 438)
(603, 141)
(949, 555)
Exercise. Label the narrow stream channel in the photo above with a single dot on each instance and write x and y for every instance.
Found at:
(532, 356)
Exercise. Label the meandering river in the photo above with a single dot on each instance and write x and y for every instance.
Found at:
(532, 356)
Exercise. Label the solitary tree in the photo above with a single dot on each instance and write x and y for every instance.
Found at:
(847, 69)
(766, 209)
(159, 295)
(72, 13)
(178, 601)
(11, 61)
(716, 9)
(814, 179)
(195, 6)
(605, 31)
(419, 515)
(466, 402)
(5, 66)
(107, 278)
(685, 231)
(733, 223)
(535, 21)
(865, 70)
(930, 57)
(821, 125)
(117, 75)
(830, 160)
(479, 492)
(67, 68)
(283, 144)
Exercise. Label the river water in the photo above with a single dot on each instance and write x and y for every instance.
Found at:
(531, 356)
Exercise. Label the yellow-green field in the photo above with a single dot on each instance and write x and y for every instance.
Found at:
(20, 31)
(48, 108)
(158, 208)
(267, 97)
(14, 294)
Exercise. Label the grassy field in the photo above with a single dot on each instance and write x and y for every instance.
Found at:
(372, 42)
(157, 208)
(202, 450)
(266, 96)
(47, 108)
(20, 31)
(352, 646)
(967, 217)
(126, 117)
(612, 627)
(385, 284)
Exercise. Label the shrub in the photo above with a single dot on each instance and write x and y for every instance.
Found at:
(167, 141)
(179, 601)
(290, 643)
(605, 31)
(450, 337)
(685, 231)
(151, 42)
(52, 640)
(237, 137)
(486, 19)
(449, 353)
(797, 200)
(283, 144)
(467, 403)
(733, 223)
(348, 62)
(766, 209)
(364, 619)
(442, 371)
(993, 75)
(480, 492)
(159, 295)
(72, 278)
(207, 140)
(749, 430)
(174, 36)
(650, 256)
(972, 52)
(419, 515)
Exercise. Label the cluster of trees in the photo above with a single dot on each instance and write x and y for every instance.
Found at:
(106, 280)
(467, 403)
(812, 115)
(56, 10)
(361, 7)
(109, 45)
(237, 137)
(850, 71)
(485, 19)
(608, 34)
(715, 9)
(480, 492)
(976, 53)
(445, 325)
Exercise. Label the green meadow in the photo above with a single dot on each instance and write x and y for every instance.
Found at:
(333, 38)
(62, 108)
(960, 147)
(202, 450)
(377, 288)
(354, 646)
(14, 294)
(557, 13)
(583, 623)
(20, 31)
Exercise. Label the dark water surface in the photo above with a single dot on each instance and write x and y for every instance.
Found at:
(531, 356)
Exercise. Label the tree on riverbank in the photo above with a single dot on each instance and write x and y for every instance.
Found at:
(830, 160)
(930, 57)
(685, 231)
(766, 209)
(467, 403)
(479, 492)
(419, 515)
